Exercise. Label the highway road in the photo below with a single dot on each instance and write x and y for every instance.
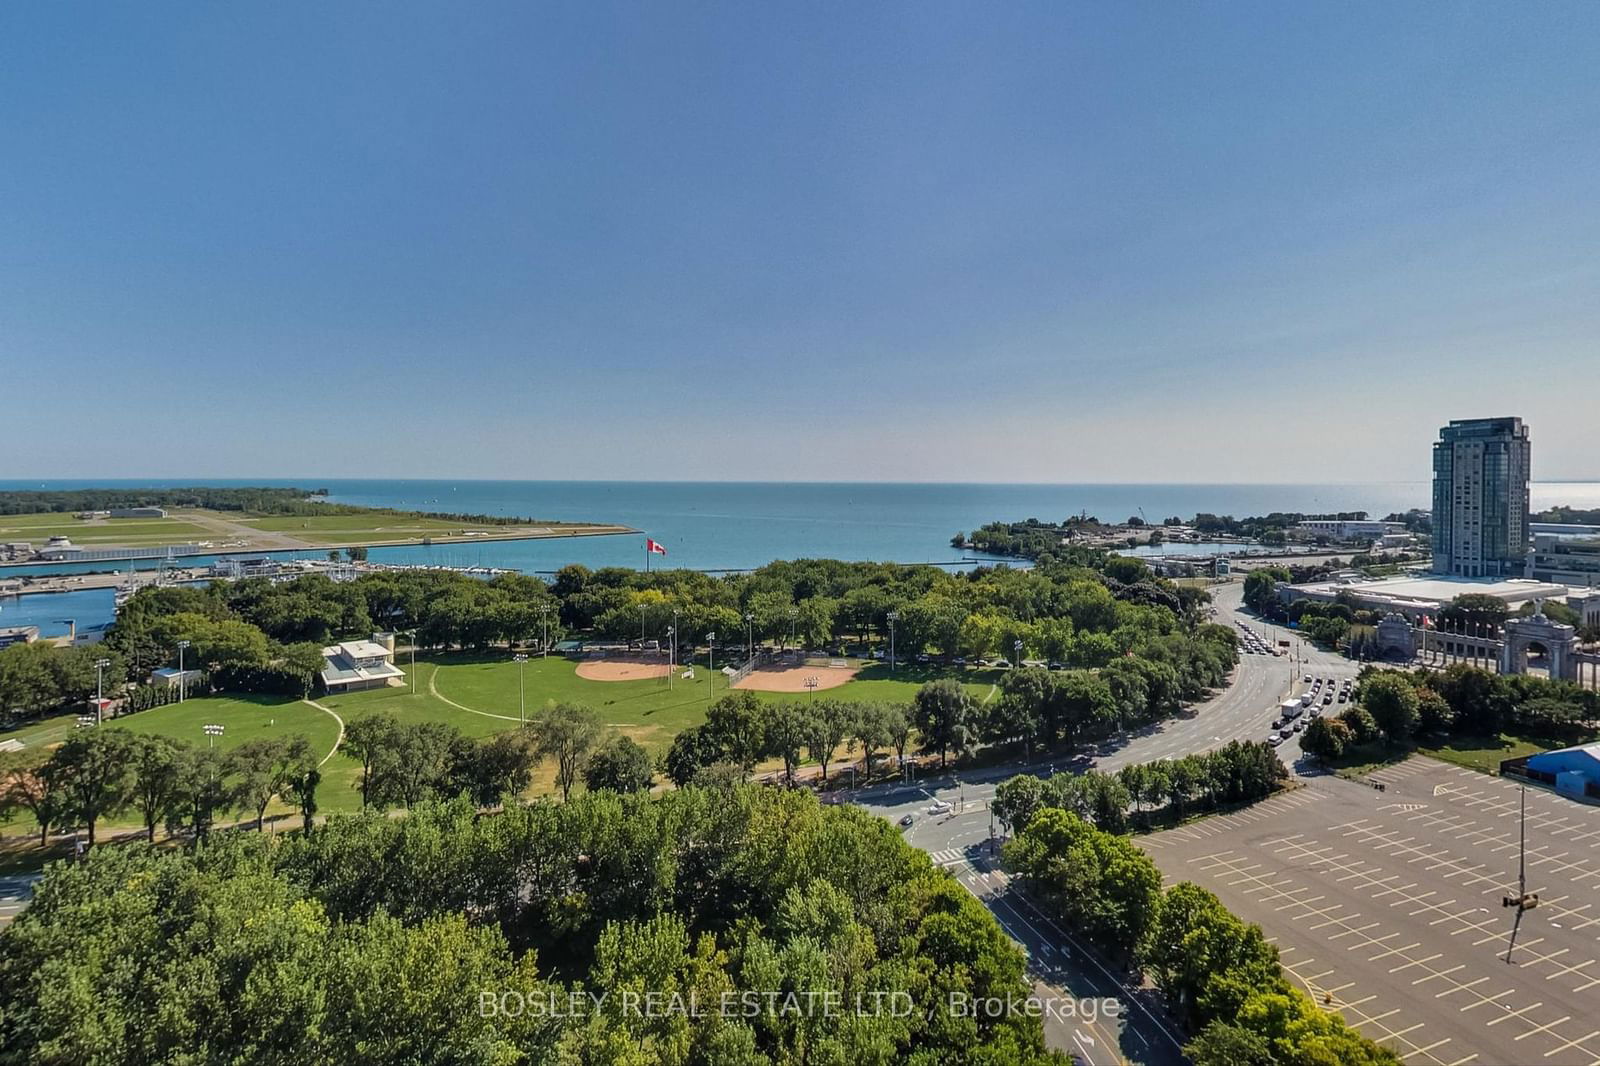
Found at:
(962, 839)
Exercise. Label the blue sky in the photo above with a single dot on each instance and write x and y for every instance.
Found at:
(920, 241)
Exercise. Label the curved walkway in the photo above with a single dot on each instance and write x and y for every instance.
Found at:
(338, 740)
(434, 690)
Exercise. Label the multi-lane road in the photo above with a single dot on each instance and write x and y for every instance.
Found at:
(961, 839)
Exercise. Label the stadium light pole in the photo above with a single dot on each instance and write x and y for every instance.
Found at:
(811, 689)
(794, 620)
(894, 616)
(711, 664)
(99, 688)
(749, 635)
(1016, 646)
(544, 630)
(182, 644)
(412, 633)
(672, 649)
(213, 732)
(522, 697)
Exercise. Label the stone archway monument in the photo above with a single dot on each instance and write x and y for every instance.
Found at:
(1560, 643)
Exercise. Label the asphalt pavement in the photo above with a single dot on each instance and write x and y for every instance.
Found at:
(962, 837)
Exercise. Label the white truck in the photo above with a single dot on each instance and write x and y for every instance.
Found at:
(1289, 710)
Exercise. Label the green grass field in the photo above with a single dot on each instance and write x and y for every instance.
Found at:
(1483, 754)
(479, 696)
(242, 718)
(356, 529)
(37, 528)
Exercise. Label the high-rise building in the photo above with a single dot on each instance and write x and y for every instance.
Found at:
(1480, 498)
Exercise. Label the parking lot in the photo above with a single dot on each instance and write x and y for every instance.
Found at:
(1386, 905)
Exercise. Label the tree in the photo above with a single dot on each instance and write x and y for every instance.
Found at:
(827, 724)
(738, 722)
(370, 739)
(1474, 613)
(872, 732)
(619, 765)
(1205, 961)
(897, 724)
(500, 766)
(1325, 739)
(567, 733)
(1391, 699)
(1091, 879)
(1222, 1044)
(786, 725)
(691, 751)
(91, 773)
(945, 715)
(1017, 800)
(262, 767)
(301, 789)
(1259, 586)
(157, 768)
(202, 790)
(25, 787)
(27, 679)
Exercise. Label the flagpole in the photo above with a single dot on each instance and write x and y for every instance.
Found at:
(647, 555)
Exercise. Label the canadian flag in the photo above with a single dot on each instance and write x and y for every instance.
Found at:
(653, 548)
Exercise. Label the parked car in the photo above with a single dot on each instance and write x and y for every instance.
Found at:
(939, 806)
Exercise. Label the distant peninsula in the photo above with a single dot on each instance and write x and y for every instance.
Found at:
(111, 523)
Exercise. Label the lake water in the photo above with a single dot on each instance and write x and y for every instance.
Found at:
(736, 525)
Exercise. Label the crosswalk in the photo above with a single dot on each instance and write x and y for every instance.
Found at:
(949, 857)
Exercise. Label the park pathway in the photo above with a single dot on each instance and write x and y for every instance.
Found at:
(338, 740)
(434, 689)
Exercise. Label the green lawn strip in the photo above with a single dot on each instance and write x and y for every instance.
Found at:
(242, 718)
(1483, 754)
(110, 531)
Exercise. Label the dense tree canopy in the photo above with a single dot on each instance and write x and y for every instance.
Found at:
(804, 933)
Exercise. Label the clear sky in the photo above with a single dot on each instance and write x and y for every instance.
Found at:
(919, 241)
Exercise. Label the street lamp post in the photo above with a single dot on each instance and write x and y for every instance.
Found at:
(894, 616)
(99, 687)
(522, 697)
(182, 644)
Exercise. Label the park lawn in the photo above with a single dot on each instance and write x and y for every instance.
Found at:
(1483, 754)
(46, 732)
(243, 717)
(652, 712)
